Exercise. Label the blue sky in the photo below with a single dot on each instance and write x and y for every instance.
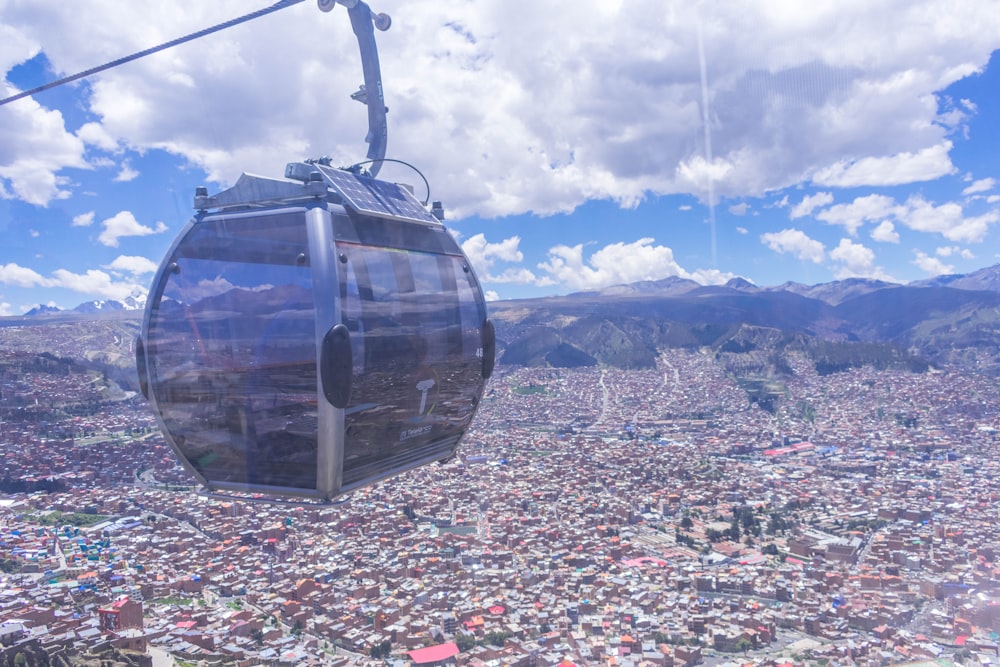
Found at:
(618, 142)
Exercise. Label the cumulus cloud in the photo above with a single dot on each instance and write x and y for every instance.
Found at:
(84, 219)
(615, 264)
(950, 251)
(885, 232)
(931, 265)
(483, 255)
(93, 282)
(809, 204)
(126, 173)
(20, 276)
(947, 219)
(34, 148)
(94, 134)
(482, 100)
(906, 167)
(133, 265)
(863, 209)
(916, 213)
(796, 243)
(982, 185)
(855, 260)
(123, 224)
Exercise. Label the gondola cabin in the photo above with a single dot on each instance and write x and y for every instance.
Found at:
(308, 336)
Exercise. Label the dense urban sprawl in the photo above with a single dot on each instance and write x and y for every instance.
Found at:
(594, 517)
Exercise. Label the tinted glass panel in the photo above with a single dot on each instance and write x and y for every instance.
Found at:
(233, 353)
(417, 373)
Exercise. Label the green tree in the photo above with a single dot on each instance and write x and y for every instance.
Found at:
(10, 565)
(497, 637)
(465, 641)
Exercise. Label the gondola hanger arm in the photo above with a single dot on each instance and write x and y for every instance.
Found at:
(363, 20)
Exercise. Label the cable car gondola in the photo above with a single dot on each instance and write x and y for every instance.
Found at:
(310, 335)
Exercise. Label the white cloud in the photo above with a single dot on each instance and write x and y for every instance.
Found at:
(20, 276)
(521, 276)
(796, 243)
(710, 276)
(742, 230)
(863, 209)
(885, 232)
(94, 282)
(950, 251)
(809, 204)
(932, 265)
(906, 167)
(982, 185)
(483, 255)
(916, 213)
(126, 173)
(84, 219)
(34, 148)
(613, 264)
(124, 223)
(856, 261)
(491, 295)
(947, 219)
(136, 266)
(507, 129)
(93, 134)
(739, 209)
(6, 309)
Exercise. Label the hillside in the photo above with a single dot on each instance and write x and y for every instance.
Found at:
(950, 320)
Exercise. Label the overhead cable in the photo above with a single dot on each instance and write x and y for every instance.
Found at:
(142, 54)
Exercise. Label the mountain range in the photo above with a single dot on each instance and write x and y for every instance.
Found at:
(951, 319)
(134, 301)
(947, 320)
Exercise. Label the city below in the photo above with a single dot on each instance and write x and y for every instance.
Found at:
(595, 516)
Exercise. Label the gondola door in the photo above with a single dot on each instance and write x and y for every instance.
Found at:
(230, 352)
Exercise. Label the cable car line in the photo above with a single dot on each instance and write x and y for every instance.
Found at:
(281, 4)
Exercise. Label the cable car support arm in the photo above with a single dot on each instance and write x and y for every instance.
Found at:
(363, 22)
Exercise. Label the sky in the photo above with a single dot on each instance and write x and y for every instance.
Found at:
(572, 149)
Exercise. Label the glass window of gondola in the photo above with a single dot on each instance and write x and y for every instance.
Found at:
(418, 373)
(233, 352)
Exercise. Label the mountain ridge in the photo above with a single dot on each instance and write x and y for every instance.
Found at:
(945, 320)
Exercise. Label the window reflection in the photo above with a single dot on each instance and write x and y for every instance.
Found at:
(418, 374)
(233, 362)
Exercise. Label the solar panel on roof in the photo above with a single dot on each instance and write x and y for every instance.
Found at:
(374, 197)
